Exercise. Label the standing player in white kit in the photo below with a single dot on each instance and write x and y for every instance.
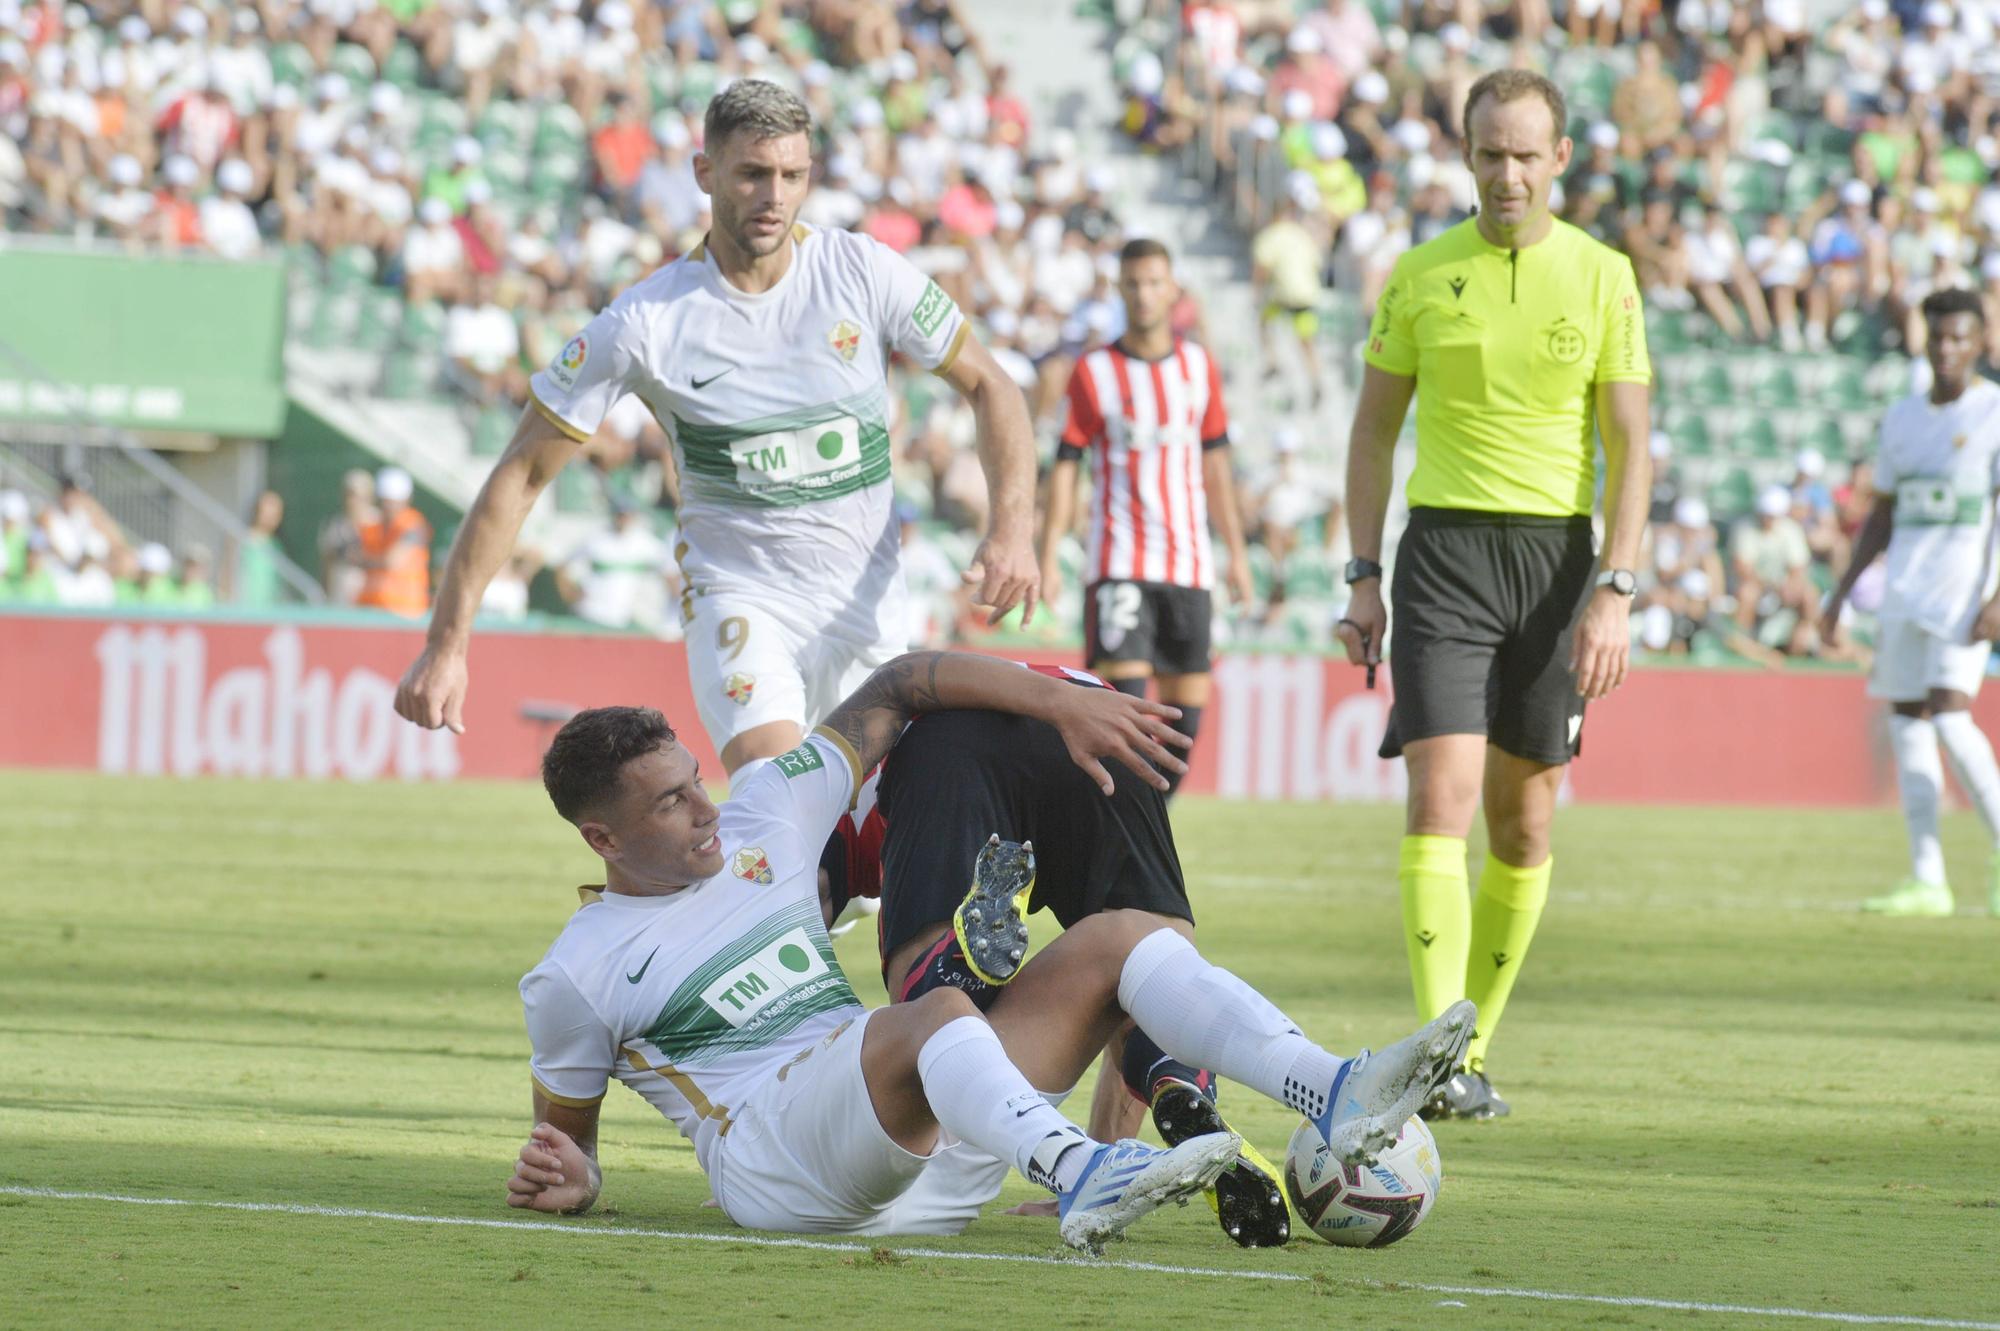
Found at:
(1936, 476)
(764, 354)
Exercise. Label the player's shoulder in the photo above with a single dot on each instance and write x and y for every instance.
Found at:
(841, 250)
(1580, 247)
(1451, 245)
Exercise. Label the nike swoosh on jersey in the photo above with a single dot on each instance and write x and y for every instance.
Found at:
(638, 975)
(700, 384)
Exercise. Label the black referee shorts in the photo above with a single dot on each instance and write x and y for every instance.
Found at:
(955, 778)
(1485, 607)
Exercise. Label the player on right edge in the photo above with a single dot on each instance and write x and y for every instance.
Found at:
(1936, 474)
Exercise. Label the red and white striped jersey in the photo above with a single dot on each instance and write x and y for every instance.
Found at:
(1145, 425)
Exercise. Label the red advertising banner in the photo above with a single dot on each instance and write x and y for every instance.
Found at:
(295, 698)
(156, 696)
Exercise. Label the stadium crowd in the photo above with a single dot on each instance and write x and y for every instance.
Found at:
(498, 172)
(1778, 182)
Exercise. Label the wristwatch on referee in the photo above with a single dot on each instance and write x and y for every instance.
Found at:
(1358, 569)
(1620, 580)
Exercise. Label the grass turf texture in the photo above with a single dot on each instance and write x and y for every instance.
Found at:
(1727, 1088)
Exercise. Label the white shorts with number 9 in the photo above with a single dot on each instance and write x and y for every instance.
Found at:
(753, 660)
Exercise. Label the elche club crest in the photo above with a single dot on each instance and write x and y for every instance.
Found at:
(740, 688)
(752, 865)
(845, 339)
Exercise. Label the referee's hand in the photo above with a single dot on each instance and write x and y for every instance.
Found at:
(1366, 623)
(1603, 644)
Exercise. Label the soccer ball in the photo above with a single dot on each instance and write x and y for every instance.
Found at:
(1361, 1206)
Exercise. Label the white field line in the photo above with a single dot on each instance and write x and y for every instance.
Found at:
(955, 1255)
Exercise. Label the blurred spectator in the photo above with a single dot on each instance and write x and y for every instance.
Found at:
(1813, 509)
(256, 581)
(193, 589)
(507, 595)
(1721, 278)
(1779, 261)
(1290, 500)
(1647, 106)
(340, 550)
(395, 550)
(1774, 597)
(623, 577)
(1286, 257)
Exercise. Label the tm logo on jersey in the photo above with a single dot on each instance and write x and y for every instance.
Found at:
(742, 994)
(931, 309)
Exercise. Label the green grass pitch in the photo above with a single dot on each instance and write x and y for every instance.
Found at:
(1728, 1088)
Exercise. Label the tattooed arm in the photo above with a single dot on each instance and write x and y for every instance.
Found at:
(1095, 723)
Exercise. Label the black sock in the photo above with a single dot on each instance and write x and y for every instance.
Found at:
(1189, 725)
(944, 964)
(1136, 686)
(1145, 1063)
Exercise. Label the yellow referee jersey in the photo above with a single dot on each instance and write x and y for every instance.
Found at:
(1505, 346)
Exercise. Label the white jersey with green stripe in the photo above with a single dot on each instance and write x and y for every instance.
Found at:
(777, 404)
(1942, 463)
(696, 998)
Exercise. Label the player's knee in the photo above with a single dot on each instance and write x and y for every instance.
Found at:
(941, 1007)
(1519, 837)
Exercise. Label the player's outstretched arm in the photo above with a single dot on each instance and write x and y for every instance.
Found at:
(432, 692)
(1095, 724)
(1603, 641)
(557, 1169)
(1003, 568)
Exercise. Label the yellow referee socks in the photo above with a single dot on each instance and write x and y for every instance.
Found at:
(1437, 919)
(1504, 916)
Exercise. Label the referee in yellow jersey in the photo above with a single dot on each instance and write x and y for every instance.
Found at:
(1523, 342)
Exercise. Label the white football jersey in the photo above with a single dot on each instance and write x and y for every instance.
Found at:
(696, 998)
(1943, 465)
(777, 404)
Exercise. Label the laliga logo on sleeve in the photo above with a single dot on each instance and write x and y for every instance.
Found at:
(569, 361)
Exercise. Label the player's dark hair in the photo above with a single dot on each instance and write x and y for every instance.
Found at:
(580, 770)
(1143, 248)
(1953, 300)
(756, 107)
(1511, 85)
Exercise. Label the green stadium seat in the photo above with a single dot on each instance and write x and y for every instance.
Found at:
(380, 314)
(1758, 439)
(1778, 389)
(1690, 436)
(1823, 432)
(354, 63)
(1711, 387)
(403, 66)
(406, 376)
(1667, 332)
(350, 267)
(577, 492)
(291, 64)
(1731, 497)
(491, 432)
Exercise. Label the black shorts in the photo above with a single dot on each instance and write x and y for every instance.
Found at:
(1156, 622)
(955, 778)
(1485, 606)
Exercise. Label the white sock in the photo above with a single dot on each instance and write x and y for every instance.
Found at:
(1920, 778)
(981, 1097)
(1972, 763)
(1201, 1014)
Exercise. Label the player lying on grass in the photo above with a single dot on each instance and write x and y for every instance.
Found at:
(703, 978)
(915, 836)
